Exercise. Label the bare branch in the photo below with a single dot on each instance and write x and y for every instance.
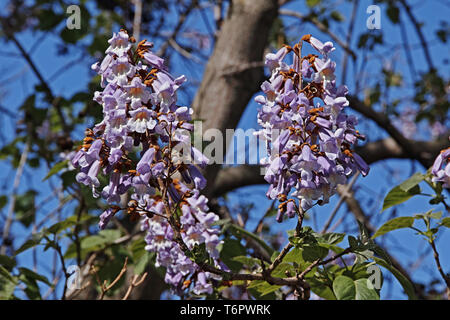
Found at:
(319, 26)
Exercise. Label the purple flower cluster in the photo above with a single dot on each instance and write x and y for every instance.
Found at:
(141, 116)
(309, 137)
(441, 168)
(197, 229)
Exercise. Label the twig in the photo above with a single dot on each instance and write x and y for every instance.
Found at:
(438, 264)
(10, 215)
(134, 283)
(105, 288)
(63, 265)
(319, 26)
(260, 222)
(419, 34)
(323, 262)
(349, 39)
(181, 20)
(343, 195)
(288, 246)
(407, 50)
(183, 51)
(55, 101)
(137, 19)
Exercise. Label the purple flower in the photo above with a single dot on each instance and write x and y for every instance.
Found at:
(141, 120)
(323, 48)
(121, 71)
(140, 113)
(441, 168)
(313, 154)
(119, 44)
(144, 165)
(106, 216)
(154, 60)
(273, 60)
(138, 92)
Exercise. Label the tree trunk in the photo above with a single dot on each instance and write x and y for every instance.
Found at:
(234, 71)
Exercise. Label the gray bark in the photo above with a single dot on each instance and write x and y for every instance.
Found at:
(234, 71)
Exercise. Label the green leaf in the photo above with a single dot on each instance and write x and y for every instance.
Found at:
(314, 252)
(248, 261)
(110, 235)
(48, 19)
(295, 255)
(363, 292)
(266, 289)
(397, 196)
(436, 215)
(405, 283)
(3, 201)
(137, 248)
(283, 268)
(445, 222)
(56, 168)
(275, 254)
(412, 182)
(143, 262)
(320, 288)
(33, 275)
(255, 284)
(32, 289)
(382, 254)
(27, 245)
(393, 13)
(230, 249)
(337, 16)
(394, 224)
(313, 3)
(68, 178)
(363, 255)
(344, 288)
(25, 207)
(8, 284)
(263, 287)
(331, 238)
(92, 242)
(62, 225)
(7, 261)
(353, 242)
(5, 273)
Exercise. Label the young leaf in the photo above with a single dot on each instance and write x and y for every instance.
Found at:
(344, 288)
(7, 261)
(35, 276)
(320, 288)
(394, 224)
(397, 196)
(363, 292)
(405, 283)
(56, 168)
(143, 262)
(445, 222)
(27, 245)
(248, 261)
(313, 3)
(412, 182)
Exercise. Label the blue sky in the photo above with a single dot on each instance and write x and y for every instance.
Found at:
(17, 81)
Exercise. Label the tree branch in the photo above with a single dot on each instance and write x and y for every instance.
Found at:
(231, 178)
